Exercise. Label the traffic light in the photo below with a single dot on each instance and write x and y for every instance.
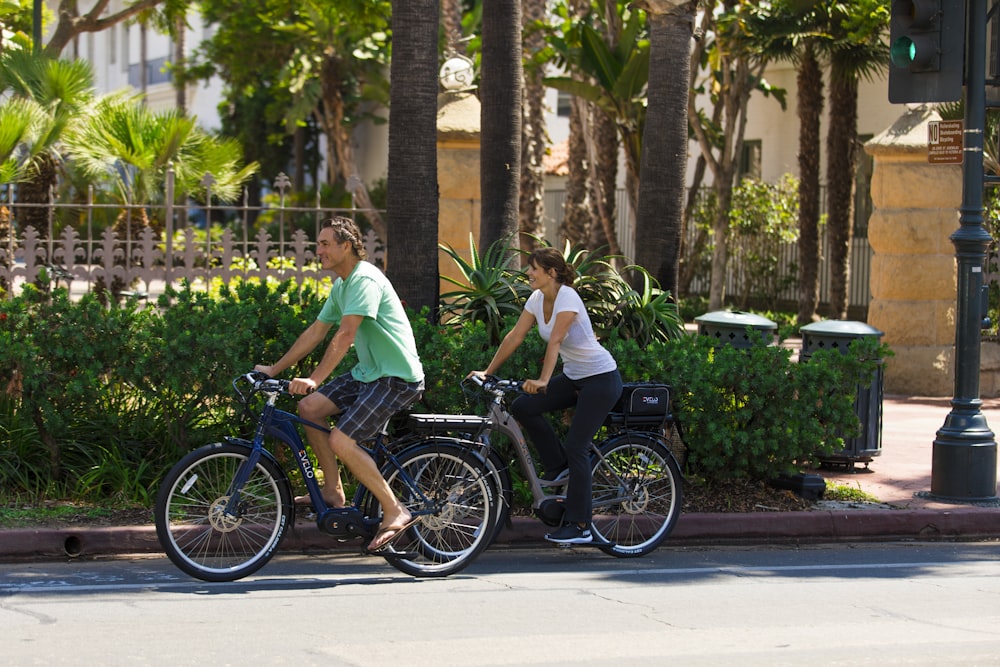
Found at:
(926, 50)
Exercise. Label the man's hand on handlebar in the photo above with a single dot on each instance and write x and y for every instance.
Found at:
(266, 370)
(302, 386)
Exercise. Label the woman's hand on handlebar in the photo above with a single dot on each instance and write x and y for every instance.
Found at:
(478, 375)
(534, 386)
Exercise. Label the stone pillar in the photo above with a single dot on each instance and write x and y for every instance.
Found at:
(913, 271)
(458, 176)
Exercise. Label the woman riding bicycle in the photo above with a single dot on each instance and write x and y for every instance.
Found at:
(590, 382)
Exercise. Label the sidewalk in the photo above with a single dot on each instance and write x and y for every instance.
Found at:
(899, 477)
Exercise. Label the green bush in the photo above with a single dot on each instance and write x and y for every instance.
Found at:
(97, 402)
(754, 413)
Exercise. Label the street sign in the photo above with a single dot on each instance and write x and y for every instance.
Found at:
(945, 141)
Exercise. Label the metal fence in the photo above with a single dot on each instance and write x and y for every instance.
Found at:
(787, 254)
(80, 249)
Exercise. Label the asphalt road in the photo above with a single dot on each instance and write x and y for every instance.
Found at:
(846, 604)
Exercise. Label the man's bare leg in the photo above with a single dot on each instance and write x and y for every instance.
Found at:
(318, 409)
(360, 462)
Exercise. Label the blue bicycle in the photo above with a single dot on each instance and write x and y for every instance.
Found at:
(222, 510)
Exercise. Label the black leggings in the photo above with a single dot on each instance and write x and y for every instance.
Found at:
(593, 398)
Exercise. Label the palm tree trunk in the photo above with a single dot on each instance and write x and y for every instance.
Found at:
(841, 147)
(500, 95)
(810, 92)
(575, 226)
(180, 87)
(664, 142)
(533, 141)
(412, 204)
(605, 184)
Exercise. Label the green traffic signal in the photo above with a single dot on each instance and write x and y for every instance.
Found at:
(902, 52)
(926, 50)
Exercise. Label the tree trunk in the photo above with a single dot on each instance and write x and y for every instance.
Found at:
(500, 95)
(664, 144)
(180, 62)
(841, 146)
(605, 184)
(340, 150)
(71, 24)
(533, 140)
(575, 226)
(412, 205)
(810, 92)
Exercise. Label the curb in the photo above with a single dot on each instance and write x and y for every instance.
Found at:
(822, 526)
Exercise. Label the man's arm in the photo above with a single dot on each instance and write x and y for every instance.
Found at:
(335, 351)
(303, 345)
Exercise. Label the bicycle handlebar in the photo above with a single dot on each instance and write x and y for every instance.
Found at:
(492, 383)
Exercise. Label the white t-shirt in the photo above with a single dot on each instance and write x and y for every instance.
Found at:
(581, 354)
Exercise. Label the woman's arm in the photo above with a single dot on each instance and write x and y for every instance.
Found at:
(564, 320)
(511, 342)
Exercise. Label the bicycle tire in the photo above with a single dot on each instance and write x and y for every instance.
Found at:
(637, 494)
(196, 534)
(463, 524)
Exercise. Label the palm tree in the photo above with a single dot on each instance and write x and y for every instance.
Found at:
(63, 88)
(413, 188)
(500, 94)
(133, 147)
(613, 79)
(576, 222)
(21, 120)
(810, 108)
(664, 140)
(857, 51)
(534, 138)
(795, 32)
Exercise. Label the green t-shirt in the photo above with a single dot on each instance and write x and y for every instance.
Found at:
(384, 341)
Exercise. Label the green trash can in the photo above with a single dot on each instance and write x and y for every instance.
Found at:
(838, 335)
(736, 329)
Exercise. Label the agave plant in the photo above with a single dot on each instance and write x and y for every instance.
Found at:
(647, 314)
(491, 287)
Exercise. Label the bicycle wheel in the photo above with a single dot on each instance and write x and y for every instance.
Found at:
(191, 523)
(499, 473)
(637, 495)
(458, 520)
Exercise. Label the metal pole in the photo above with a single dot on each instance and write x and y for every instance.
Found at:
(964, 462)
(36, 27)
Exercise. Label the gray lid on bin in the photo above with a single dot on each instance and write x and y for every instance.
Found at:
(835, 334)
(730, 327)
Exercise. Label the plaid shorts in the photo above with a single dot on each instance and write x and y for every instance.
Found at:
(365, 407)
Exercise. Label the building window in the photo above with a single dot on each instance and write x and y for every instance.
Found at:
(112, 44)
(750, 160)
(564, 102)
(156, 72)
(125, 53)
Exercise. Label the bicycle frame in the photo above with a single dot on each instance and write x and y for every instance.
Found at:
(283, 426)
(501, 421)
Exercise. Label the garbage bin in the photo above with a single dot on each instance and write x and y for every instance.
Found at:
(838, 335)
(731, 328)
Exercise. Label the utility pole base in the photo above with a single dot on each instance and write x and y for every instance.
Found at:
(964, 460)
